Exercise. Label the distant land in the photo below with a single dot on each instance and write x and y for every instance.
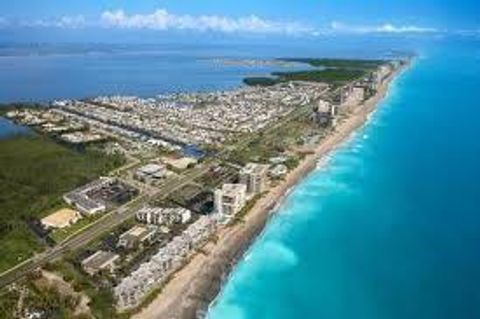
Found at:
(333, 71)
(110, 192)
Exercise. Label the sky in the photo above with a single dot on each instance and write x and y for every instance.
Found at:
(32, 19)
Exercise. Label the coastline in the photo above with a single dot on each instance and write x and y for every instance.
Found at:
(192, 289)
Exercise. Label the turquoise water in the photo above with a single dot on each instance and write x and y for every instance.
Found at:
(390, 227)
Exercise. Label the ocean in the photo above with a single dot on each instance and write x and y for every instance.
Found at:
(389, 226)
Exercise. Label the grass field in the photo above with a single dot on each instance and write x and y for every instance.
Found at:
(58, 235)
(274, 143)
(34, 173)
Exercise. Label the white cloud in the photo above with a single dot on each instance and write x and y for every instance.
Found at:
(72, 21)
(386, 28)
(68, 22)
(161, 19)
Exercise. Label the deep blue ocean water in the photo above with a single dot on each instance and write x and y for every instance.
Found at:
(390, 227)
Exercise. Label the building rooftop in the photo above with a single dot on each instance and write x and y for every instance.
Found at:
(151, 169)
(255, 168)
(233, 189)
(180, 163)
(139, 231)
(98, 260)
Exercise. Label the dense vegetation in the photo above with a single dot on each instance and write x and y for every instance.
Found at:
(338, 63)
(4, 108)
(331, 71)
(36, 295)
(261, 81)
(102, 303)
(34, 173)
(331, 76)
(8, 303)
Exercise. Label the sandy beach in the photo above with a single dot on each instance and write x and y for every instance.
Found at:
(193, 288)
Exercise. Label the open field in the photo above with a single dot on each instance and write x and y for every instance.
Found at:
(58, 235)
(276, 142)
(34, 173)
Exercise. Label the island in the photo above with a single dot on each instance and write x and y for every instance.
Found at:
(118, 206)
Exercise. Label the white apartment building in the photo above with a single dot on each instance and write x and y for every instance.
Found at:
(254, 176)
(163, 216)
(230, 199)
(133, 289)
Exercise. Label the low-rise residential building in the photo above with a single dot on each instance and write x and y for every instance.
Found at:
(176, 120)
(254, 176)
(163, 216)
(133, 289)
(82, 137)
(229, 200)
(137, 235)
(278, 160)
(101, 260)
(279, 171)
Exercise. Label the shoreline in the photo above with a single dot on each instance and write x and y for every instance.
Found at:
(192, 289)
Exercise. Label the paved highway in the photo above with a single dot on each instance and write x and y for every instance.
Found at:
(100, 227)
(115, 218)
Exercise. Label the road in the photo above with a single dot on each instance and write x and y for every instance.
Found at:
(100, 227)
(115, 218)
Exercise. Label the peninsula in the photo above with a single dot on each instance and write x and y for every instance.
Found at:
(195, 178)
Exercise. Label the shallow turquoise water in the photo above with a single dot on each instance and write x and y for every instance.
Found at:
(390, 227)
